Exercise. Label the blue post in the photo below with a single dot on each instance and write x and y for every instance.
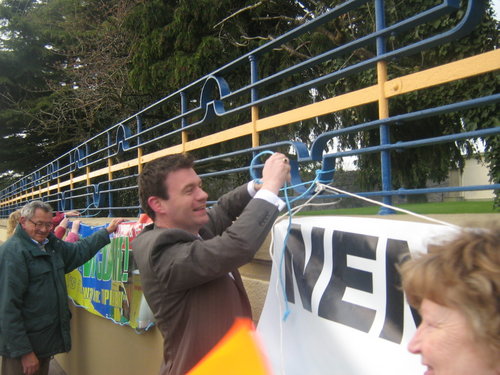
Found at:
(254, 76)
(184, 108)
(110, 194)
(254, 95)
(87, 191)
(138, 120)
(385, 137)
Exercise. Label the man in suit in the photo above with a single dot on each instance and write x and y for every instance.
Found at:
(189, 257)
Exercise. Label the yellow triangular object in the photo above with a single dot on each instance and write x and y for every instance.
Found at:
(237, 353)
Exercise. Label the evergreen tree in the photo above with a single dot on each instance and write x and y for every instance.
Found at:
(182, 40)
(25, 62)
(63, 77)
(69, 69)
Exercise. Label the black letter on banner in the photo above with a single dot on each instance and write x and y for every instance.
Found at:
(394, 313)
(295, 255)
(331, 306)
(397, 252)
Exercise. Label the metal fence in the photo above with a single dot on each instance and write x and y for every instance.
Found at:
(99, 176)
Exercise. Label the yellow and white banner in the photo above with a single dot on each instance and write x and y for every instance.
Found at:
(334, 305)
(109, 284)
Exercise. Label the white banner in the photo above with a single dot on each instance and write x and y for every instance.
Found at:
(344, 312)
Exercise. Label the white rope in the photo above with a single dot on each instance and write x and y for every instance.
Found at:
(298, 208)
(275, 264)
(327, 187)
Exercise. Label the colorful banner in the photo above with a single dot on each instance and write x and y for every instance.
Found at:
(109, 285)
(334, 305)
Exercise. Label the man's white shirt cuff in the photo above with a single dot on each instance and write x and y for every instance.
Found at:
(267, 195)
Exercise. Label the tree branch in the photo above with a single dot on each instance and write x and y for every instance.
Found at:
(238, 12)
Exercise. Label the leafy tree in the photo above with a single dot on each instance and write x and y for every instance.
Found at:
(24, 61)
(69, 69)
(412, 168)
(180, 41)
(64, 76)
(93, 92)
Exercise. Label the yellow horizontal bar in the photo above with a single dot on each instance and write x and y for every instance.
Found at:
(324, 107)
(468, 67)
(222, 136)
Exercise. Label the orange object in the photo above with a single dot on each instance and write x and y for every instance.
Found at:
(144, 219)
(238, 352)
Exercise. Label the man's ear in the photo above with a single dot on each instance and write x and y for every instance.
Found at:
(156, 204)
(23, 221)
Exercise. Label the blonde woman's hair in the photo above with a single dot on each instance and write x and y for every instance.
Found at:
(462, 273)
(12, 222)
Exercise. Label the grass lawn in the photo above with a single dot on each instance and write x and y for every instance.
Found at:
(463, 207)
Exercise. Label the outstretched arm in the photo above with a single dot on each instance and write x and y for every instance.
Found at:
(114, 224)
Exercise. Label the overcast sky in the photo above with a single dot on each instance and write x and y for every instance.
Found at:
(496, 6)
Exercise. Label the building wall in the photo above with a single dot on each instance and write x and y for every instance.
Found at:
(101, 347)
(476, 173)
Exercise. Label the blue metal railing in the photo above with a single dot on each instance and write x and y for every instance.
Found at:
(213, 96)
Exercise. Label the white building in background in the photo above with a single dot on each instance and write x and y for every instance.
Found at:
(475, 173)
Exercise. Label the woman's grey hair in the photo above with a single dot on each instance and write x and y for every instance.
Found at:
(28, 211)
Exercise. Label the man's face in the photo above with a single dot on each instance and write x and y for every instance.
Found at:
(39, 226)
(186, 206)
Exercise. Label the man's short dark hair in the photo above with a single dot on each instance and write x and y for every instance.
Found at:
(151, 181)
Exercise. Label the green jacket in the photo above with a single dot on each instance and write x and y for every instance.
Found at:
(34, 312)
